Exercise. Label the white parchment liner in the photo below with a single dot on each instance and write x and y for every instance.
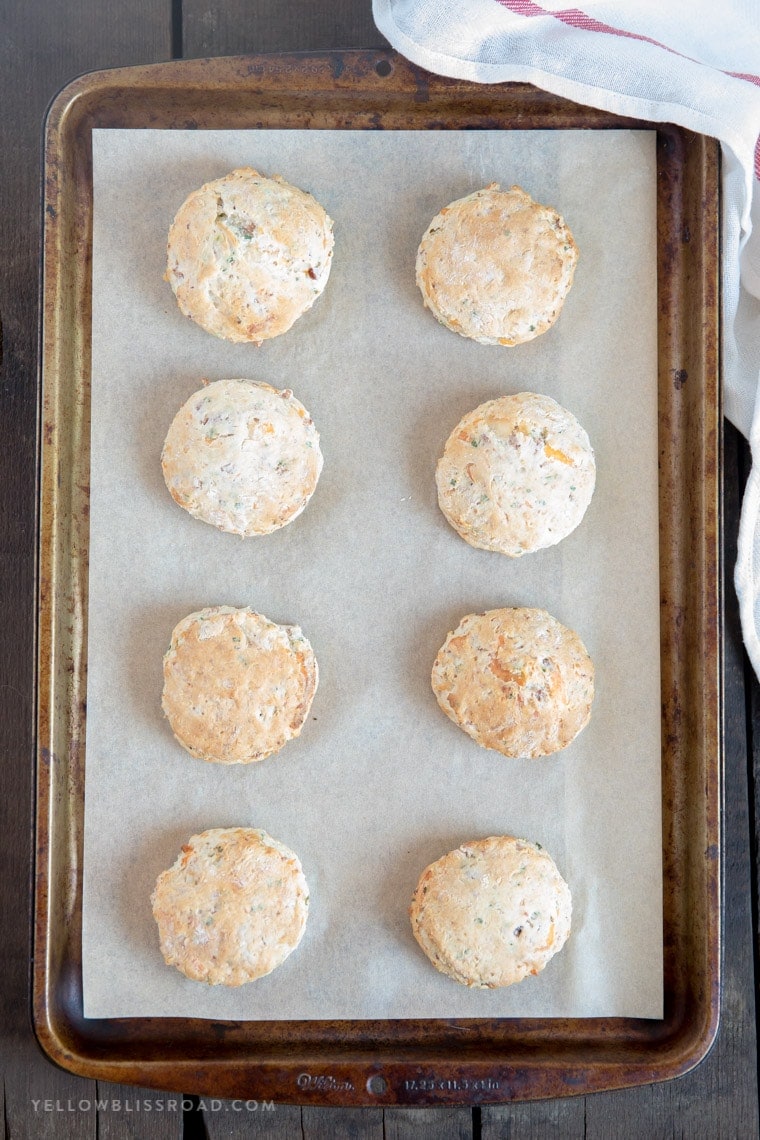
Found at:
(380, 783)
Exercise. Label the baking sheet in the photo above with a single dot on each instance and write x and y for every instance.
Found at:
(380, 783)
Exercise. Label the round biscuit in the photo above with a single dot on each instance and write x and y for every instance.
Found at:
(237, 686)
(496, 266)
(242, 456)
(492, 912)
(516, 681)
(232, 907)
(516, 474)
(247, 255)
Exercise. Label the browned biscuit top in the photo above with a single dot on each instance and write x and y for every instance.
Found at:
(496, 266)
(517, 474)
(516, 681)
(242, 456)
(491, 912)
(247, 255)
(232, 907)
(237, 686)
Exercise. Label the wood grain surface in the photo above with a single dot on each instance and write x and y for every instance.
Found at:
(43, 45)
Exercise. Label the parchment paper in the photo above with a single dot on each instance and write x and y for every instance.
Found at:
(380, 783)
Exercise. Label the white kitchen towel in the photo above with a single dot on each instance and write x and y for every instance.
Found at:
(690, 62)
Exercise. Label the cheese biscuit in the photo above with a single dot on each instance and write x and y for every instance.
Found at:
(237, 687)
(516, 681)
(247, 255)
(232, 907)
(496, 266)
(516, 474)
(242, 456)
(492, 912)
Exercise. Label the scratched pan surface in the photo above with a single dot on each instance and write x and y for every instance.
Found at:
(409, 1061)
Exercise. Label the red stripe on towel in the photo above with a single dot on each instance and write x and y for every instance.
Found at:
(575, 18)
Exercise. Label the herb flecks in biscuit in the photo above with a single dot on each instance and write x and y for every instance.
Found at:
(496, 266)
(242, 456)
(516, 474)
(516, 681)
(237, 687)
(492, 912)
(247, 255)
(232, 907)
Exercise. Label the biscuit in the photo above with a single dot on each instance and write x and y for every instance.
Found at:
(232, 907)
(516, 681)
(496, 266)
(492, 912)
(237, 686)
(247, 255)
(242, 456)
(516, 474)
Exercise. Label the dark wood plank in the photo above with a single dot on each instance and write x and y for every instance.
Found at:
(342, 1123)
(133, 1113)
(735, 1090)
(719, 1100)
(44, 1102)
(428, 1124)
(537, 1120)
(237, 27)
(246, 1120)
(42, 46)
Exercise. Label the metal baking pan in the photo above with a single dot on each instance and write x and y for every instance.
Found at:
(412, 1062)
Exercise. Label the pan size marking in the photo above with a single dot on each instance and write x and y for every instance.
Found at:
(450, 1084)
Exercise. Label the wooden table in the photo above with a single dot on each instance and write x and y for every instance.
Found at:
(42, 46)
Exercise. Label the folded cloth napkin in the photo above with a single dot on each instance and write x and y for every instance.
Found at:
(689, 62)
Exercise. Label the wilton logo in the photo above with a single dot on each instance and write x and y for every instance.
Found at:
(307, 1081)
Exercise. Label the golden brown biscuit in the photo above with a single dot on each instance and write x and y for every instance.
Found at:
(242, 456)
(516, 475)
(516, 681)
(496, 266)
(237, 686)
(247, 255)
(492, 912)
(232, 907)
